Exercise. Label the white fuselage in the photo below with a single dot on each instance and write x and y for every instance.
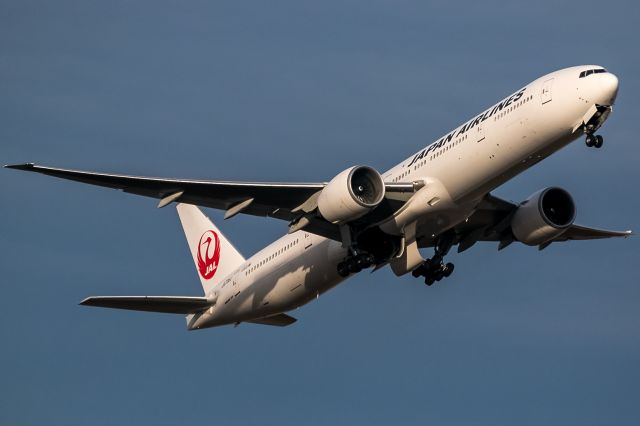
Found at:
(467, 163)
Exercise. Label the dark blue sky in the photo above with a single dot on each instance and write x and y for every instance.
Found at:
(300, 91)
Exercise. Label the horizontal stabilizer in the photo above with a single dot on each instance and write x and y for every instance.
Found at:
(279, 320)
(164, 304)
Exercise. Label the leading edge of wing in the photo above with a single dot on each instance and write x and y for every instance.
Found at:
(275, 199)
(267, 198)
(95, 177)
(103, 179)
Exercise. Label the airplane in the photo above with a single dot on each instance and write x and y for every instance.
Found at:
(438, 198)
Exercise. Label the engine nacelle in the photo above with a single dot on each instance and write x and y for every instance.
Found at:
(351, 194)
(543, 216)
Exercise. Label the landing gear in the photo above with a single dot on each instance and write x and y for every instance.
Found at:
(449, 267)
(435, 269)
(364, 249)
(594, 140)
(599, 141)
(355, 263)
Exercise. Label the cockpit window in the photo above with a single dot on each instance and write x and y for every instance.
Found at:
(593, 71)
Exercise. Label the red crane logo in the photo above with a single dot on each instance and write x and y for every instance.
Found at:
(208, 254)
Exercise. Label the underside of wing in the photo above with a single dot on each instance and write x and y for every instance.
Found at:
(267, 198)
(283, 201)
(491, 221)
(163, 304)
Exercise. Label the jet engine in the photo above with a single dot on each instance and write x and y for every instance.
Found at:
(351, 194)
(543, 216)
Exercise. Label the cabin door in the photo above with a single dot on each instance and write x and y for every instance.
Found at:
(545, 95)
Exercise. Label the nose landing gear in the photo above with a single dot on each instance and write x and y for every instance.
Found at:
(594, 140)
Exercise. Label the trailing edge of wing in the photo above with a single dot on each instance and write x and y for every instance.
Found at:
(164, 304)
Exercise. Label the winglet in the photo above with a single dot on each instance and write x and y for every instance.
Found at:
(25, 166)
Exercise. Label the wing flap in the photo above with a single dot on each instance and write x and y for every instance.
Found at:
(163, 304)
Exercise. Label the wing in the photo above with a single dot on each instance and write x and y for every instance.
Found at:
(164, 304)
(491, 222)
(266, 198)
(284, 201)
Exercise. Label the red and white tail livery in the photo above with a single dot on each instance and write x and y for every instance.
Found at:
(213, 254)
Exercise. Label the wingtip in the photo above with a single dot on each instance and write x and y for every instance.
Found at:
(24, 166)
(85, 302)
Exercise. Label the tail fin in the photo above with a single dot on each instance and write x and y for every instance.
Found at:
(214, 256)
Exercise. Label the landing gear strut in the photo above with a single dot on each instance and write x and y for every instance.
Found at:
(435, 269)
(594, 140)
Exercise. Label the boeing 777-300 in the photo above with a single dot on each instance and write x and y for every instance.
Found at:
(437, 198)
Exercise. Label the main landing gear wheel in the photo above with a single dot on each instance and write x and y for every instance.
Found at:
(433, 270)
(355, 264)
(594, 141)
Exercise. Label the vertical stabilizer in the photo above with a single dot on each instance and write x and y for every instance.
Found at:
(214, 256)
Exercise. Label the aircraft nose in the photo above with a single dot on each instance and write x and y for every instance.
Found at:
(609, 88)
